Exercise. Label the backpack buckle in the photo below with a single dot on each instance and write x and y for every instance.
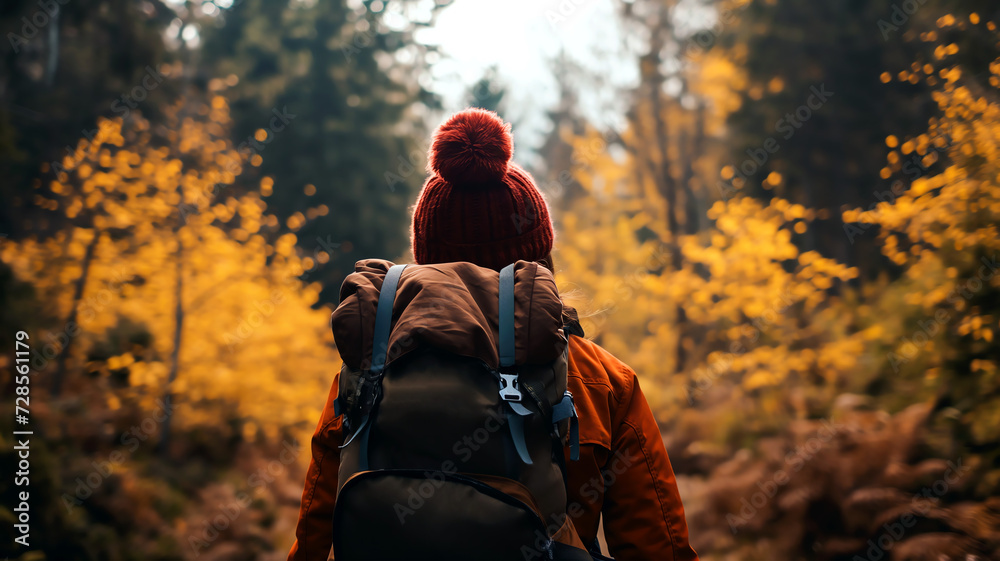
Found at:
(510, 389)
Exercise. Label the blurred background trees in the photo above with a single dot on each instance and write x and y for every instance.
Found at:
(352, 72)
(789, 230)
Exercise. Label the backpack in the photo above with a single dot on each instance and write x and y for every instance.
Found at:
(447, 456)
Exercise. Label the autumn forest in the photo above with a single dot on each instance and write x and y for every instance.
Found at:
(785, 219)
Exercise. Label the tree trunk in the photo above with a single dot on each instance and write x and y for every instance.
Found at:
(81, 283)
(53, 47)
(666, 182)
(164, 445)
(695, 147)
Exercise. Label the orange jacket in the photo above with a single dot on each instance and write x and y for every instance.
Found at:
(623, 470)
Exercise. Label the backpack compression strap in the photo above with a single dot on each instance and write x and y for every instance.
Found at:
(510, 390)
(380, 351)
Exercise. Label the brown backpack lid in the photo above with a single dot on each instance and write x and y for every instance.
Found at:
(452, 307)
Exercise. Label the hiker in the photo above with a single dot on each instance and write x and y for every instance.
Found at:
(477, 207)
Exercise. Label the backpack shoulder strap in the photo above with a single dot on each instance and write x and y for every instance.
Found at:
(383, 318)
(380, 349)
(510, 390)
(507, 316)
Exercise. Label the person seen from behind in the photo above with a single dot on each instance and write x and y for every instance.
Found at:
(480, 207)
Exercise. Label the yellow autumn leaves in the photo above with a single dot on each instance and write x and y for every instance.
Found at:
(754, 312)
(756, 309)
(155, 204)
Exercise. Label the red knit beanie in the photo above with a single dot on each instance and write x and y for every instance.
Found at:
(477, 205)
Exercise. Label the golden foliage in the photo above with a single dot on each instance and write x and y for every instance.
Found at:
(943, 229)
(252, 349)
(763, 310)
(776, 336)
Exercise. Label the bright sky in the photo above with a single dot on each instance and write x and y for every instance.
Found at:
(522, 38)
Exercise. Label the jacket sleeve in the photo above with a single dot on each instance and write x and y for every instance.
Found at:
(643, 514)
(314, 531)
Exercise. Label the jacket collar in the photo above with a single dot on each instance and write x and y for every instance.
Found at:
(571, 322)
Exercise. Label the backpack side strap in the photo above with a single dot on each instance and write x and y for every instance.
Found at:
(566, 409)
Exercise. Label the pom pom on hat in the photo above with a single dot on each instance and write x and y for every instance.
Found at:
(477, 205)
(473, 146)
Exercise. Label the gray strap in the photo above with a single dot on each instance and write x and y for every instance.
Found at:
(365, 431)
(516, 424)
(507, 316)
(566, 409)
(509, 390)
(361, 428)
(380, 350)
(383, 318)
